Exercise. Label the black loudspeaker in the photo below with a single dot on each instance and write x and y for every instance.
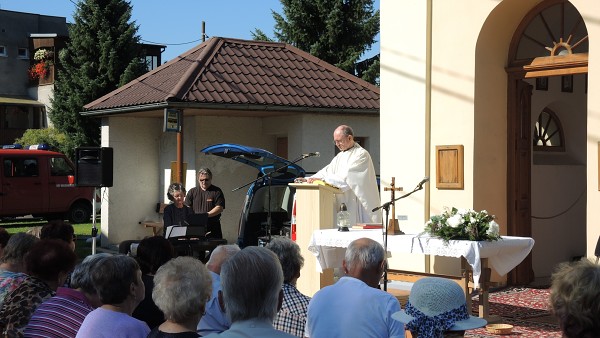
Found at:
(94, 167)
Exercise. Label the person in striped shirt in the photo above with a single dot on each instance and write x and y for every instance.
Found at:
(62, 315)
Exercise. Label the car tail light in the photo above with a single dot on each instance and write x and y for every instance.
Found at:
(293, 221)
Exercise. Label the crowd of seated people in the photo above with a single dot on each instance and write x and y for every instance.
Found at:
(47, 265)
(44, 293)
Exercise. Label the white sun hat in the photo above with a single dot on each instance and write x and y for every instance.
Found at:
(436, 305)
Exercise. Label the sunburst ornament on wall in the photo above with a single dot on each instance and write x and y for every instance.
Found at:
(556, 30)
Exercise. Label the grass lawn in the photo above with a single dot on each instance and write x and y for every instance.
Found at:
(83, 231)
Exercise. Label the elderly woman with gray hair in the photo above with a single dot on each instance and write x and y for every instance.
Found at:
(118, 282)
(177, 212)
(62, 315)
(291, 318)
(182, 286)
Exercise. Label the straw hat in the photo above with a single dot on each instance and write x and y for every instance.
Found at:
(436, 305)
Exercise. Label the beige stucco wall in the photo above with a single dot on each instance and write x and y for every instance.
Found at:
(404, 133)
(589, 11)
(439, 113)
(135, 177)
(403, 101)
(43, 94)
(467, 105)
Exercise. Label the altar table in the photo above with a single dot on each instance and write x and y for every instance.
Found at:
(503, 255)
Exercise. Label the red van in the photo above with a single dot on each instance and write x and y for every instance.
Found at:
(42, 183)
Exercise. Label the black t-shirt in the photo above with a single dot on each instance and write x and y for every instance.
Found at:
(176, 216)
(202, 201)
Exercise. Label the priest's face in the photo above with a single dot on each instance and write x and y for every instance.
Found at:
(343, 142)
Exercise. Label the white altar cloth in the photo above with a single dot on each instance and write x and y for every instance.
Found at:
(503, 255)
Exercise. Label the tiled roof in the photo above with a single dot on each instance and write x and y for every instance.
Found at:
(243, 74)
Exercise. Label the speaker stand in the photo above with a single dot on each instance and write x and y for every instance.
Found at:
(94, 229)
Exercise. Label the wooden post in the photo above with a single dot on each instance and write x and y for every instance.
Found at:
(393, 228)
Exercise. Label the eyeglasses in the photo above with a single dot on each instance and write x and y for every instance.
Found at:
(343, 140)
(204, 180)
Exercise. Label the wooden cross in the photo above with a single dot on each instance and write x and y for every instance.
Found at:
(393, 228)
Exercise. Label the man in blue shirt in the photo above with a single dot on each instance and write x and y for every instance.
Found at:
(214, 319)
(355, 306)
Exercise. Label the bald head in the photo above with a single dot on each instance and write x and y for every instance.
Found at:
(343, 137)
(344, 130)
(220, 255)
(364, 260)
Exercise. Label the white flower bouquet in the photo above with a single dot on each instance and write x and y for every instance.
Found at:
(463, 224)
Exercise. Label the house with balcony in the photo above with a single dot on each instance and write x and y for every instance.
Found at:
(29, 48)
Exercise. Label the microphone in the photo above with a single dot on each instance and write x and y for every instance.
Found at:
(423, 181)
(315, 154)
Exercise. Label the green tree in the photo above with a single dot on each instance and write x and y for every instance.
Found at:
(102, 54)
(50, 136)
(337, 31)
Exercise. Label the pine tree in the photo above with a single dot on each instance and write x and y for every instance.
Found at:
(101, 55)
(336, 31)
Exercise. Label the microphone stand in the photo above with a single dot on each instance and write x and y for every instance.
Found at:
(386, 206)
(270, 177)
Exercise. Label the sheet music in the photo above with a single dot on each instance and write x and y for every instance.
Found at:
(175, 231)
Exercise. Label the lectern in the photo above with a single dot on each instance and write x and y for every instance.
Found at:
(315, 209)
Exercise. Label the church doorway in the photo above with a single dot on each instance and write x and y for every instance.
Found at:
(546, 145)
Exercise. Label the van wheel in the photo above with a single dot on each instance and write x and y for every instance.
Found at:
(79, 213)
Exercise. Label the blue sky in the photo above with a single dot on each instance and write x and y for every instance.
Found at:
(178, 23)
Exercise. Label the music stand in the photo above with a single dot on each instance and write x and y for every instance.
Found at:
(197, 220)
(185, 231)
(193, 231)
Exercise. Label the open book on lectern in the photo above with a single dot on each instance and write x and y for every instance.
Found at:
(195, 226)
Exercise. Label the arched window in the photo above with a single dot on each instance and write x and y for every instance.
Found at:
(555, 30)
(548, 134)
(552, 37)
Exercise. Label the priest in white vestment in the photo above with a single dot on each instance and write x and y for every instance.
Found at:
(353, 172)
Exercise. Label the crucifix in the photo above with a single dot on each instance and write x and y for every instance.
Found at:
(393, 228)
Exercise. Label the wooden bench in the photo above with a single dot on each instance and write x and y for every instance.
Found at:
(156, 226)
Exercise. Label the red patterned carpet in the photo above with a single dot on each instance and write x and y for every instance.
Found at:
(527, 309)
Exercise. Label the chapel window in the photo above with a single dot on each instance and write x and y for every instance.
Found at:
(557, 30)
(548, 134)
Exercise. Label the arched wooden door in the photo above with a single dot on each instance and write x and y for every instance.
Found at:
(519, 172)
(551, 40)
